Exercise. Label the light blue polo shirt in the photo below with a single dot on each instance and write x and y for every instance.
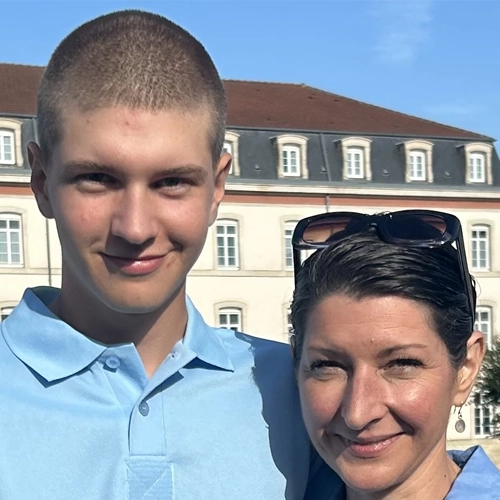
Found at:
(219, 420)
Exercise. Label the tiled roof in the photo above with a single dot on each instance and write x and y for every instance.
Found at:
(18, 88)
(300, 107)
(264, 105)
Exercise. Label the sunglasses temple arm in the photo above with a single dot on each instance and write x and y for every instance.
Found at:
(466, 277)
(296, 264)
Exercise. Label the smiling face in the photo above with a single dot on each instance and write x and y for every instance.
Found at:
(133, 193)
(376, 386)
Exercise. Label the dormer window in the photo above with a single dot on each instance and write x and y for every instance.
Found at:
(290, 160)
(477, 167)
(418, 165)
(356, 158)
(355, 163)
(231, 147)
(10, 143)
(292, 156)
(7, 156)
(418, 159)
(478, 163)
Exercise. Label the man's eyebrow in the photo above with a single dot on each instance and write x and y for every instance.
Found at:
(400, 347)
(77, 167)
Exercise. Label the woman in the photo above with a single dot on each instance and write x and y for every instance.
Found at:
(384, 346)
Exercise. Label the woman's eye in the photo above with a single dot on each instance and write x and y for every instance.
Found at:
(325, 369)
(405, 364)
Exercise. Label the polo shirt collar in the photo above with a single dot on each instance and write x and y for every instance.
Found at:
(204, 341)
(44, 342)
(55, 350)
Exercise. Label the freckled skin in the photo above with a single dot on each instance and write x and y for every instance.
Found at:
(366, 391)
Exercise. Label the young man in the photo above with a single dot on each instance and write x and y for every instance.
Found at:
(113, 387)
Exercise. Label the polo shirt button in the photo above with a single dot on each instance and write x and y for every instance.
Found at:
(112, 362)
(144, 409)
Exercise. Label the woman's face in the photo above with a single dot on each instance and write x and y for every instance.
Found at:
(376, 386)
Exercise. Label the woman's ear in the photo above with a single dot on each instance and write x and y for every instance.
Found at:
(469, 370)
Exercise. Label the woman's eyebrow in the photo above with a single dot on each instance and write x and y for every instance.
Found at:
(400, 347)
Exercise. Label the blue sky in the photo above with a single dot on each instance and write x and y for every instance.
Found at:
(434, 59)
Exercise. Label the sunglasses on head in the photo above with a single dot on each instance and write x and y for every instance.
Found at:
(410, 228)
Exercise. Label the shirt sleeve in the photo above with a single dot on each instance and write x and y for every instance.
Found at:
(323, 482)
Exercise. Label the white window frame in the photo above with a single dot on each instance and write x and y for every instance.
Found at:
(350, 145)
(476, 242)
(482, 413)
(484, 323)
(475, 158)
(6, 217)
(287, 152)
(5, 311)
(225, 237)
(228, 312)
(298, 144)
(351, 172)
(7, 134)
(231, 142)
(423, 149)
(417, 162)
(288, 233)
(11, 127)
(471, 150)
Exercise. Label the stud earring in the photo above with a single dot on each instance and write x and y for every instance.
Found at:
(460, 423)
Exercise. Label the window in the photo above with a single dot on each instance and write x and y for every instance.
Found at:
(231, 147)
(4, 312)
(10, 240)
(356, 158)
(418, 154)
(417, 165)
(227, 244)
(477, 166)
(480, 248)
(483, 323)
(230, 318)
(292, 156)
(289, 227)
(7, 153)
(355, 163)
(478, 162)
(482, 418)
(291, 160)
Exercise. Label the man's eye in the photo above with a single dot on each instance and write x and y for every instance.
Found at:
(96, 177)
(172, 182)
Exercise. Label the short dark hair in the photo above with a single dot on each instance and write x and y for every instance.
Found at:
(133, 58)
(362, 266)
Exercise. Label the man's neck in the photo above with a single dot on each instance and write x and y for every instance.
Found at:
(154, 334)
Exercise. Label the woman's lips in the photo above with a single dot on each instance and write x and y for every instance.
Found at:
(369, 448)
(135, 266)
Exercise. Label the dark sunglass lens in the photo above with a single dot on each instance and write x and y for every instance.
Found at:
(323, 230)
(416, 227)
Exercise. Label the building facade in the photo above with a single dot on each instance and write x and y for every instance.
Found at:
(297, 151)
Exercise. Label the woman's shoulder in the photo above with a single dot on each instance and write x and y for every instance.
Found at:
(479, 477)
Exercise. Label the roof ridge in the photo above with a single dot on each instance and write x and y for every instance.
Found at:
(22, 65)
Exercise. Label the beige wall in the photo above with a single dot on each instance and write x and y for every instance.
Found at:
(262, 287)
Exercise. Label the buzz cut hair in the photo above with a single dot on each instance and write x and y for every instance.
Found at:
(135, 59)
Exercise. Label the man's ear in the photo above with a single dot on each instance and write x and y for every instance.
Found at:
(220, 175)
(468, 372)
(39, 179)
